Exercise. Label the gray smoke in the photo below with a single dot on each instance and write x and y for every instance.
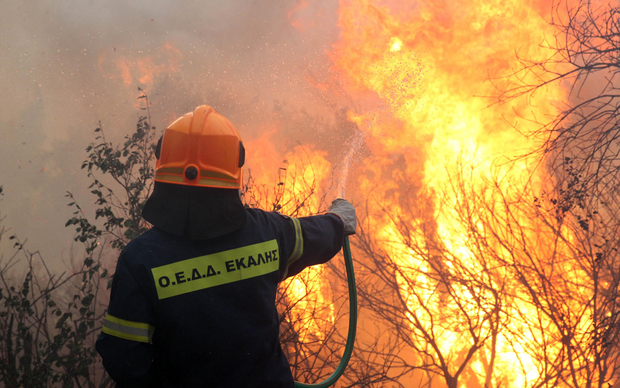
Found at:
(61, 72)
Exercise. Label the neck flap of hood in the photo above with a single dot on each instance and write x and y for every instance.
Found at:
(197, 213)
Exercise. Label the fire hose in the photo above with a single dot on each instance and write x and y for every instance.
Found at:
(348, 350)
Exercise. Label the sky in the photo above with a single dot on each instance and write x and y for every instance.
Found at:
(66, 65)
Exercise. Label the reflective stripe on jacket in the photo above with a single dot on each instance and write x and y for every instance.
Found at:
(188, 313)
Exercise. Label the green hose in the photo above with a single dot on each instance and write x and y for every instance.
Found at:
(348, 350)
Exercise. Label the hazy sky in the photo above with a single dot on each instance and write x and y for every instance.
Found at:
(67, 64)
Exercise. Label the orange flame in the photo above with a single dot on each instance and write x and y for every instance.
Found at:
(423, 72)
(299, 7)
(300, 174)
(430, 67)
(142, 68)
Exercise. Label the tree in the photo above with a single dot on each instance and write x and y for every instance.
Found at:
(50, 322)
(444, 300)
(586, 134)
(582, 151)
(122, 178)
(496, 286)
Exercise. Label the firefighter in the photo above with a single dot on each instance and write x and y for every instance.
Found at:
(193, 299)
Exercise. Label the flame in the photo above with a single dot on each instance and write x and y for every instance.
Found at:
(141, 68)
(434, 134)
(298, 8)
(395, 44)
(439, 148)
(440, 185)
(301, 173)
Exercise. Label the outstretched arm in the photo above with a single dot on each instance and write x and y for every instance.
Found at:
(323, 235)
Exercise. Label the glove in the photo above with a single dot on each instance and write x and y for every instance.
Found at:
(343, 209)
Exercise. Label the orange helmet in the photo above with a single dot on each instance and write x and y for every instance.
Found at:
(201, 148)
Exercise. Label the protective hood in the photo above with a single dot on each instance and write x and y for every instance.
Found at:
(193, 212)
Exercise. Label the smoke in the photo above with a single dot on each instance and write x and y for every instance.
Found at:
(66, 65)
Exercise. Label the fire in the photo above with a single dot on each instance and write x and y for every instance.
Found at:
(141, 68)
(434, 135)
(298, 176)
(395, 44)
(439, 189)
(301, 174)
(301, 6)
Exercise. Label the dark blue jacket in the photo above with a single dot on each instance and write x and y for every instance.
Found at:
(202, 314)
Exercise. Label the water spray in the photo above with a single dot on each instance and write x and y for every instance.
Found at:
(348, 262)
(344, 173)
